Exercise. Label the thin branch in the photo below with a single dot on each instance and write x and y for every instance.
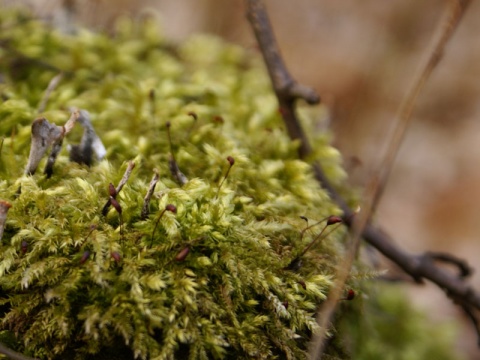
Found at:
(419, 267)
(148, 196)
(464, 269)
(471, 316)
(4, 207)
(287, 93)
(177, 174)
(285, 87)
(403, 117)
(326, 311)
(377, 183)
(13, 355)
(51, 86)
(123, 181)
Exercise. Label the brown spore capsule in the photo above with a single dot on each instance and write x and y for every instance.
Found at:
(333, 219)
(24, 247)
(85, 256)
(218, 119)
(303, 285)
(182, 254)
(116, 256)
(111, 190)
(350, 295)
(172, 208)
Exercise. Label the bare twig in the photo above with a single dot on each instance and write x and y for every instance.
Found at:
(13, 355)
(296, 263)
(464, 269)
(471, 316)
(379, 179)
(4, 207)
(287, 94)
(151, 99)
(285, 87)
(177, 174)
(419, 267)
(169, 207)
(126, 176)
(231, 162)
(123, 181)
(148, 196)
(454, 14)
(51, 86)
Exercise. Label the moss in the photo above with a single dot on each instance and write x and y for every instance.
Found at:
(388, 328)
(206, 281)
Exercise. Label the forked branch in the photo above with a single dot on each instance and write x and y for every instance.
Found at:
(419, 267)
(285, 87)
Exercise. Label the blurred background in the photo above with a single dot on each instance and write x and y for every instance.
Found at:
(361, 57)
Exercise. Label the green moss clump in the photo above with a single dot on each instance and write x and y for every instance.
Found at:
(208, 281)
(76, 282)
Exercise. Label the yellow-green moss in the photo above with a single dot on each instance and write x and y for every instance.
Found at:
(231, 296)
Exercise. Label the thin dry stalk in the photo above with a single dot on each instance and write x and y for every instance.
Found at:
(52, 85)
(403, 118)
(4, 207)
(13, 355)
(379, 179)
(123, 181)
(419, 267)
(148, 196)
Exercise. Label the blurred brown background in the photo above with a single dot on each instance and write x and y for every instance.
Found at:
(361, 56)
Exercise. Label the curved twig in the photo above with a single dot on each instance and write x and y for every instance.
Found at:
(464, 269)
(285, 87)
(419, 267)
(51, 86)
(123, 181)
(13, 355)
(403, 117)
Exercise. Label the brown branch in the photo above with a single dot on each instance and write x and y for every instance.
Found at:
(123, 181)
(148, 196)
(13, 355)
(285, 87)
(419, 267)
(4, 207)
(404, 115)
(471, 316)
(52, 85)
(464, 269)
